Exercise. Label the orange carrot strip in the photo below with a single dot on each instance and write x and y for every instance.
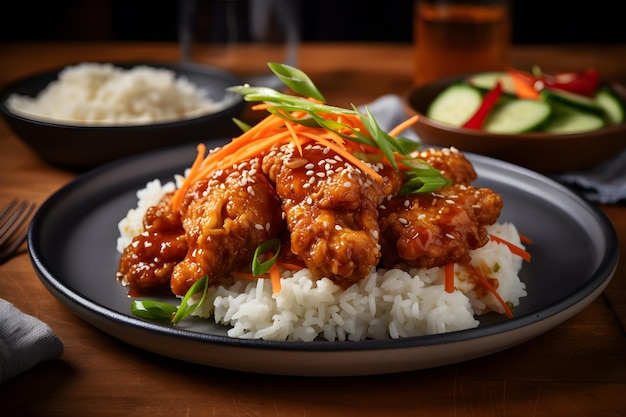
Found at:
(294, 135)
(261, 126)
(403, 126)
(525, 239)
(485, 283)
(261, 106)
(244, 275)
(254, 149)
(275, 278)
(525, 255)
(347, 155)
(177, 198)
(449, 277)
(290, 266)
(524, 87)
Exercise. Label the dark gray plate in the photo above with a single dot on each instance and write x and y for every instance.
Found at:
(72, 243)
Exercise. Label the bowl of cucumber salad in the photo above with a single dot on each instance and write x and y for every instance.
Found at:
(546, 122)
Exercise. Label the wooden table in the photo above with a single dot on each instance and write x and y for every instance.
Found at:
(577, 369)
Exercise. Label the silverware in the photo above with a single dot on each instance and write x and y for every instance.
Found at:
(14, 220)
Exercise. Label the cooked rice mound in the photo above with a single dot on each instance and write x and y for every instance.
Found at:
(394, 303)
(91, 93)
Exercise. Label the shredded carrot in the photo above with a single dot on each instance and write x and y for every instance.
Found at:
(525, 255)
(294, 136)
(523, 86)
(290, 266)
(403, 126)
(261, 106)
(244, 275)
(348, 156)
(525, 239)
(485, 283)
(449, 277)
(274, 130)
(275, 278)
(178, 196)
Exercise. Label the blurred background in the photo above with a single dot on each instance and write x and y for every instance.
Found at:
(547, 21)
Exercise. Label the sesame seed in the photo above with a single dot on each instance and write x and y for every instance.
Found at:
(403, 220)
(347, 184)
(450, 236)
(258, 226)
(338, 227)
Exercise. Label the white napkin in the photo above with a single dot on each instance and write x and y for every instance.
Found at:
(604, 183)
(25, 341)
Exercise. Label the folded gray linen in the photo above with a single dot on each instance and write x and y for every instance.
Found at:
(604, 183)
(25, 341)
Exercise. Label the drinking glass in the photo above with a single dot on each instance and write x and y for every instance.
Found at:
(229, 33)
(460, 36)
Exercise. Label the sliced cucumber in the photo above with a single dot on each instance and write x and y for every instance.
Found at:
(566, 119)
(517, 116)
(611, 103)
(487, 81)
(576, 101)
(455, 105)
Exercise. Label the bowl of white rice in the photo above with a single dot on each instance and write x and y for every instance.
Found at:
(81, 116)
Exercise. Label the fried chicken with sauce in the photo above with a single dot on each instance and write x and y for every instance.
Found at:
(148, 261)
(225, 218)
(452, 164)
(331, 210)
(428, 230)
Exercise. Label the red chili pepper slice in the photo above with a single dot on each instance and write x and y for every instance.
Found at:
(477, 119)
(584, 82)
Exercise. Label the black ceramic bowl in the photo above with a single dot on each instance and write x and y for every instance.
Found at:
(543, 152)
(81, 147)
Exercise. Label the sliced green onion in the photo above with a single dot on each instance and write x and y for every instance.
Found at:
(241, 124)
(260, 268)
(422, 177)
(153, 310)
(297, 80)
(185, 309)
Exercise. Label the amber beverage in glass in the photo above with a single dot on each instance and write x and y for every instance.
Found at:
(460, 36)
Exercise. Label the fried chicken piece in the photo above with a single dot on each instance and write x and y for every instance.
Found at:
(225, 218)
(452, 164)
(427, 230)
(148, 261)
(331, 210)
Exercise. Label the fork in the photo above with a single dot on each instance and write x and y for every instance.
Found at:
(14, 221)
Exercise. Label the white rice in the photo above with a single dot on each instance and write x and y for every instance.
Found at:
(92, 93)
(393, 303)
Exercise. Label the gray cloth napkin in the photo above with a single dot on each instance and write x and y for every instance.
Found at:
(604, 183)
(25, 341)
